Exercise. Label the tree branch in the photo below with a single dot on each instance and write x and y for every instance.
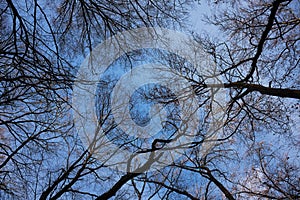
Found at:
(275, 6)
(278, 92)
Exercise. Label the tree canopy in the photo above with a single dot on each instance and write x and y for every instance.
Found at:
(254, 59)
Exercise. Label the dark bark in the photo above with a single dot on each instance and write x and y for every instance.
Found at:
(271, 19)
(130, 175)
(278, 92)
(179, 191)
(218, 184)
(123, 180)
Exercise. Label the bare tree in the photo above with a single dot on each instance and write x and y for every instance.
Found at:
(255, 156)
(42, 156)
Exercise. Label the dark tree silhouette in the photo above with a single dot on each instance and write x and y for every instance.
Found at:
(256, 154)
